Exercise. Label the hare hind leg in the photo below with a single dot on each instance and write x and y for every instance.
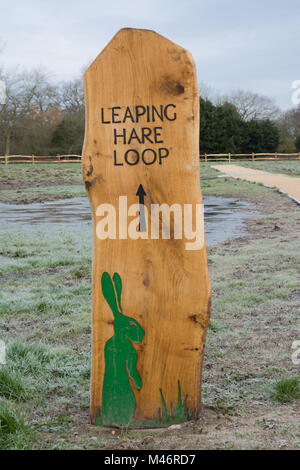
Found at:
(118, 401)
(118, 408)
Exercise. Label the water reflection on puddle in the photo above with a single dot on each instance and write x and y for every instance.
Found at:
(222, 219)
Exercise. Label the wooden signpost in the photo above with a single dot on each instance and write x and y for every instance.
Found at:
(151, 294)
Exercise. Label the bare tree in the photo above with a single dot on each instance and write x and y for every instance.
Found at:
(72, 96)
(289, 128)
(28, 94)
(252, 105)
(68, 135)
(206, 91)
(2, 82)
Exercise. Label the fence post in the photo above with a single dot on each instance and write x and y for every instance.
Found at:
(229, 157)
(33, 159)
(299, 156)
(6, 159)
(205, 157)
(253, 156)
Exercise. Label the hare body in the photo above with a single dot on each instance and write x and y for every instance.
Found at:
(118, 401)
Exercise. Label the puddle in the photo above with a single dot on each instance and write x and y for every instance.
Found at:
(223, 216)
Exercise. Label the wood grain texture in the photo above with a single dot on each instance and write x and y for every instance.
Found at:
(165, 287)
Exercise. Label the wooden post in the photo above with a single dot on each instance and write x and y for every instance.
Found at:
(33, 159)
(205, 157)
(229, 157)
(253, 156)
(151, 294)
(6, 159)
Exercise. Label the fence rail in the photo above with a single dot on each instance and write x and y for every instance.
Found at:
(228, 157)
(6, 159)
(248, 156)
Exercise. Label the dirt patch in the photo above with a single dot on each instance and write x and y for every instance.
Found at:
(19, 185)
(38, 183)
(213, 430)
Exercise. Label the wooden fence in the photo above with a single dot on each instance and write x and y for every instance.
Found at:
(228, 157)
(248, 156)
(6, 159)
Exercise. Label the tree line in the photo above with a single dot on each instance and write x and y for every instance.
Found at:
(43, 118)
(223, 130)
(39, 117)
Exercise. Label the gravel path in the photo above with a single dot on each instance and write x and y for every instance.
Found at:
(286, 184)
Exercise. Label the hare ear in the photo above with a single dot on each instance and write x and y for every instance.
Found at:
(109, 292)
(118, 287)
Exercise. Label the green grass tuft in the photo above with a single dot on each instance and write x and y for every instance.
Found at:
(14, 432)
(213, 326)
(287, 390)
(31, 358)
(12, 385)
(10, 420)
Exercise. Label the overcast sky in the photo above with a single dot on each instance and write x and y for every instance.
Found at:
(251, 45)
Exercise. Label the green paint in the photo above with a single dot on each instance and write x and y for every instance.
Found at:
(118, 401)
(180, 414)
(164, 418)
(164, 407)
(98, 418)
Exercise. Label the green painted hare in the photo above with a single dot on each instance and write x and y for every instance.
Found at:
(118, 401)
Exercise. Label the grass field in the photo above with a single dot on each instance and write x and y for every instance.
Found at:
(251, 388)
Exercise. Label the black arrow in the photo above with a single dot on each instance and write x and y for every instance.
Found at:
(141, 193)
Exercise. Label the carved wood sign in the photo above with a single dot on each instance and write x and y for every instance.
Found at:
(151, 294)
